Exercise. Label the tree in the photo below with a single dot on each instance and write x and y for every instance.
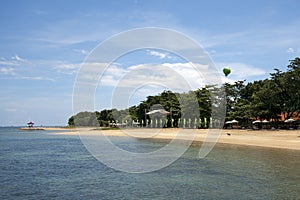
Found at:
(84, 119)
(105, 117)
(169, 101)
(71, 121)
(291, 89)
(233, 96)
(204, 101)
(265, 101)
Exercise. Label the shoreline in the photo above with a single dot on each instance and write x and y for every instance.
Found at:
(283, 139)
(45, 128)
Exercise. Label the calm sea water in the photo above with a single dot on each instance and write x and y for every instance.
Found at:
(39, 165)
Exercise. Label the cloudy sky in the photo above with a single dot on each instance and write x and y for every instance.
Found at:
(44, 43)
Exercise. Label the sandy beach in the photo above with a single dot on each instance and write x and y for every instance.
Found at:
(285, 139)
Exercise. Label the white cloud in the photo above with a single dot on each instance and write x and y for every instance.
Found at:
(112, 75)
(291, 50)
(116, 71)
(21, 68)
(67, 68)
(11, 71)
(7, 71)
(82, 51)
(9, 63)
(176, 76)
(17, 58)
(195, 76)
(38, 78)
(133, 84)
(157, 54)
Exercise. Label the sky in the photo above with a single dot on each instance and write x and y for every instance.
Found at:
(44, 43)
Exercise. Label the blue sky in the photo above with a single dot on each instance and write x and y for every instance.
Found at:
(43, 43)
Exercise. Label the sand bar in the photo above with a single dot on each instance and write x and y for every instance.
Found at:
(286, 139)
(46, 128)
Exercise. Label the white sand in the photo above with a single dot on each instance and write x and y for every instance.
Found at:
(286, 139)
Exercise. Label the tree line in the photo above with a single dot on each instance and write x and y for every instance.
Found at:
(275, 98)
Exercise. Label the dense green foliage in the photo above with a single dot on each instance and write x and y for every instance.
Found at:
(136, 115)
(264, 99)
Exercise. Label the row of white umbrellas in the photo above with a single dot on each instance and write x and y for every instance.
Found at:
(266, 121)
(258, 121)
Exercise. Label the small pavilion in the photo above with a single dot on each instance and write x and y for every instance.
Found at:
(30, 124)
(158, 112)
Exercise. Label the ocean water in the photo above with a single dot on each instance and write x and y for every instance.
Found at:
(41, 165)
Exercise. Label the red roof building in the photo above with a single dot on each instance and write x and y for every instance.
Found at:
(30, 124)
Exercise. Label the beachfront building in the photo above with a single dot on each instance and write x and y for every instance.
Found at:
(158, 118)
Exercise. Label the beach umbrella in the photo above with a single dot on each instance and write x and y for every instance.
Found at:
(289, 120)
(232, 121)
(226, 71)
(159, 111)
(256, 121)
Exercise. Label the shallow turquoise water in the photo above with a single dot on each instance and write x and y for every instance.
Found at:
(38, 165)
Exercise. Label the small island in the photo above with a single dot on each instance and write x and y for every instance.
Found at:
(30, 127)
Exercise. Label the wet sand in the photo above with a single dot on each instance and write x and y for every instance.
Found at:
(285, 139)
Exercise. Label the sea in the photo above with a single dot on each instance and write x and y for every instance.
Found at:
(43, 165)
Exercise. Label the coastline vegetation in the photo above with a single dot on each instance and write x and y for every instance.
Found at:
(274, 99)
